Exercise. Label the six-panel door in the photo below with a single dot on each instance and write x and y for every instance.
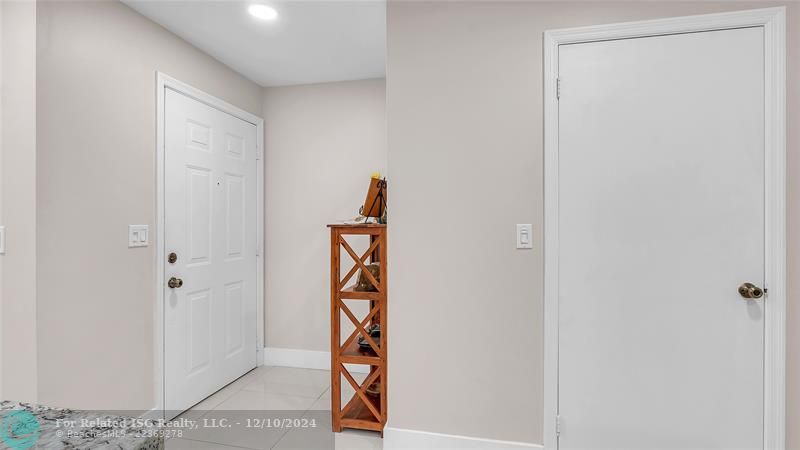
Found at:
(210, 215)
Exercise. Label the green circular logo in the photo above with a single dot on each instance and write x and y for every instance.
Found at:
(19, 430)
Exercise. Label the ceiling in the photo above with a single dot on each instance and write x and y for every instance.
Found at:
(309, 42)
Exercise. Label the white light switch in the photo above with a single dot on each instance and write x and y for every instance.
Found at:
(2, 240)
(137, 235)
(524, 235)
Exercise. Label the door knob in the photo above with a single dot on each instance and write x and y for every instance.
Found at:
(175, 282)
(750, 290)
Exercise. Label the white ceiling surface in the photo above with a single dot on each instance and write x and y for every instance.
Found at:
(309, 42)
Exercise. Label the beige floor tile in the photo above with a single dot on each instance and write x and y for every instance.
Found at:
(301, 388)
(265, 401)
(247, 378)
(270, 393)
(323, 403)
(221, 395)
(313, 433)
(241, 428)
(199, 410)
(291, 375)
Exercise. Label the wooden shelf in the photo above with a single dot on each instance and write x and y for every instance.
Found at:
(353, 354)
(359, 415)
(355, 227)
(350, 293)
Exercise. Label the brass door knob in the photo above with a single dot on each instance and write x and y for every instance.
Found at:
(175, 282)
(750, 290)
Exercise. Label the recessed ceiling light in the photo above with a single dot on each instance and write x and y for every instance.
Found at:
(263, 12)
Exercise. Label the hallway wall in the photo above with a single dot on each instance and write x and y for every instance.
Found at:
(95, 175)
(322, 143)
(464, 90)
(18, 199)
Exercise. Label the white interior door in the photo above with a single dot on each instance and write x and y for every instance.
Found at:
(661, 218)
(210, 225)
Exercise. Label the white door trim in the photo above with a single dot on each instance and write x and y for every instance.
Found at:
(164, 82)
(773, 21)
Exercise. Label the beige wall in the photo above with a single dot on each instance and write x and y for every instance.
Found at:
(464, 89)
(322, 143)
(95, 176)
(18, 192)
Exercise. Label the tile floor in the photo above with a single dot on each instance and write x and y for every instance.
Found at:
(282, 391)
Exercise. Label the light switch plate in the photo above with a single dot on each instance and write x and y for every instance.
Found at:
(2, 240)
(524, 235)
(137, 236)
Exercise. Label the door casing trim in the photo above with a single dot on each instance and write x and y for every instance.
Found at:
(773, 20)
(164, 82)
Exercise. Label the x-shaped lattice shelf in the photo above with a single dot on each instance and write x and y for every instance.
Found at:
(359, 263)
(364, 410)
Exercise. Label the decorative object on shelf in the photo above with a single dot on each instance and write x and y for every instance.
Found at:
(375, 333)
(367, 343)
(375, 203)
(363, 284)
(374, 389)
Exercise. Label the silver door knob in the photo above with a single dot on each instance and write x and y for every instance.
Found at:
(750, 290)
(175, 283)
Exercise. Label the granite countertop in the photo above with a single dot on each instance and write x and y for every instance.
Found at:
(24, 426)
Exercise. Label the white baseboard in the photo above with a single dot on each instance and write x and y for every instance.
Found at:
(290, 357)
(304, 359)
(400, 439)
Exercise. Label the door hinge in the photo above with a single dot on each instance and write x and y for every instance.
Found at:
(558, 426)
(558, 88)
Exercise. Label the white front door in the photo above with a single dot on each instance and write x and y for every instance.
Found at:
(210, 226)
(661, 219)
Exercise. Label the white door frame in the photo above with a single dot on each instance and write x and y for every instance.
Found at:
(164, 82)
(773, 21)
